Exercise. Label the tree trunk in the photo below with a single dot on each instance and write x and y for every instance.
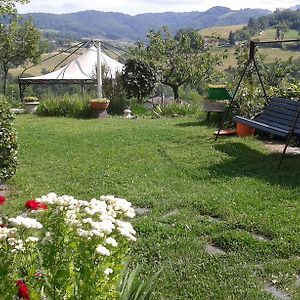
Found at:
(5, 75)
(176, 93)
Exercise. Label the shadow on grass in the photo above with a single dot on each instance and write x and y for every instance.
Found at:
(199, 123)
(245, 161)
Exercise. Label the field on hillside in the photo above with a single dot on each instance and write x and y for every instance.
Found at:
(270, 33)
(220, 31)
(197, 194)
(268, 54)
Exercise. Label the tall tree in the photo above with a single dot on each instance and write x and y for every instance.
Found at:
(231, 38)
(139, 79)
(177, 61)
(9, 6)
(19, 44)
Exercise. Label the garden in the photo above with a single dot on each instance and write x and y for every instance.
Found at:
(191, 196)
(127, 195)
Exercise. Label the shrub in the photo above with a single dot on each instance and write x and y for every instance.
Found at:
(181, 109)
(118, 103)
(8, 143)
(64, 248)
(67, 106)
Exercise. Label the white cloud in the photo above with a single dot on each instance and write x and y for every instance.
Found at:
(140, 6)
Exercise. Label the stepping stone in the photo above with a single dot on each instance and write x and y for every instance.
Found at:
(171, 213)
(277, 293)
(141, 211)
(3, 187)
(298, 280)
(261, 237)
(214, 250)
(214, 219)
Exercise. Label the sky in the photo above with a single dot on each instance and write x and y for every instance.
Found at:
(134, 7)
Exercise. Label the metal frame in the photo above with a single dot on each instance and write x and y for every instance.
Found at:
(253, 45)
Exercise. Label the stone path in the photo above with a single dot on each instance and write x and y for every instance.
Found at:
(276, 292)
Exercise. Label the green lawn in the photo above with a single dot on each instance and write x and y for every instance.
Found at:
(199, 192)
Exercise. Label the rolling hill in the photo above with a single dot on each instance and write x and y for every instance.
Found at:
(118, 26)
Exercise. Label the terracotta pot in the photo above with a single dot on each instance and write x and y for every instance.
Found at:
(31, 107)
(101, 106)
(243, 130)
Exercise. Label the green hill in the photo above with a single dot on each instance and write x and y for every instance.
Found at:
(118, 26)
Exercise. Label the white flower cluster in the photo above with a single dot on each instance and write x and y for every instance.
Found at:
(7, 232)
(25, 222)
(95, 218)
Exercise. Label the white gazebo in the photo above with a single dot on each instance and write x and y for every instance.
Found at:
(82, 70)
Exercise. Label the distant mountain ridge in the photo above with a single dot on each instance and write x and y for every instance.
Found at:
(115, 26)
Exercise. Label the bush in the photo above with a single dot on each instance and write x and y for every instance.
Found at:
(118, 103)
(8, 143)
(183, 109)
(67, 106)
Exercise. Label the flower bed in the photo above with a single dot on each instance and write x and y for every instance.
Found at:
(64, 248)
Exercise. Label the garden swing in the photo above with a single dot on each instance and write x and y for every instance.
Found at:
(280, 116)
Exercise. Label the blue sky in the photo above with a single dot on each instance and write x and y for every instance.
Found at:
(134, 7)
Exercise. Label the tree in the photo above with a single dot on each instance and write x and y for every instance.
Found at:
(19, 44)
(9, 6)
(184, 60)
(231, 38)
(281, 29)
(139, 79)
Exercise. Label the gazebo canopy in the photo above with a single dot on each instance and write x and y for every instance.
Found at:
(81, 70)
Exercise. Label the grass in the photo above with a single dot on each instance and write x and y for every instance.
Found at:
(220, 31)
(173, 167)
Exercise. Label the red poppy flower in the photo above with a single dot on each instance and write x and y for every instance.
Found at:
(23, 291)
(34, 205)
(2, 200)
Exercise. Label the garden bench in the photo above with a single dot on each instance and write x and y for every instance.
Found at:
(280, 117)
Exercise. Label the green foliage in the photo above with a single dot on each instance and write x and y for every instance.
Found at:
(179, 109)
(8, 6)
(20, 44)
(291, 91)
(8, 143)
(178, 60)
(281, 20)
(139, 79)
(133, 288)
(66, 106)
(250, 97)
(69, 249)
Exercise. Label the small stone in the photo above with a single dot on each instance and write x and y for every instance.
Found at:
(140, 211)
(214, 219)
(261, 237)
(277, 293)
(298, 280)
(173, 212)
(3, 187)
(214, 250)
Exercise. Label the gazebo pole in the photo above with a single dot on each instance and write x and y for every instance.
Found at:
(99, 70)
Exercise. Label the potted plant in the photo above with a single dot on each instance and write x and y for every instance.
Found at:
(99, 104)
(250, 103)
(31, 104)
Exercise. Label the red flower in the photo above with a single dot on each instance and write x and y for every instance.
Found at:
(34, 205)
(2, 200)
(23, 291)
